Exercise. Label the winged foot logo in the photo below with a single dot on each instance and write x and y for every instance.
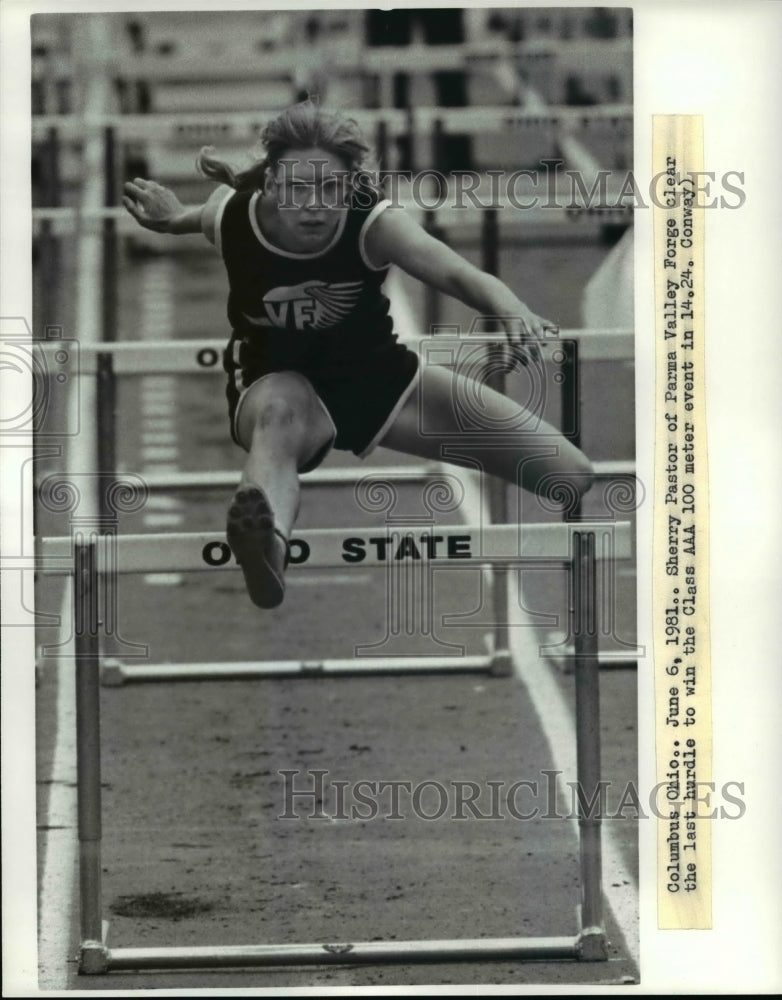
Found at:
(313, 305)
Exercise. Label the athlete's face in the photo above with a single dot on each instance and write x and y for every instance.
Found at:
(308, 190)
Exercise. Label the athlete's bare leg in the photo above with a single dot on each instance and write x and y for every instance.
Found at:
(529, 452)
(282, 424)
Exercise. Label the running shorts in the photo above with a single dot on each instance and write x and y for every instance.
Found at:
(362, 396)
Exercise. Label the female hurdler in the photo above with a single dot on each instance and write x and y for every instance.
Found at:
(313, 362)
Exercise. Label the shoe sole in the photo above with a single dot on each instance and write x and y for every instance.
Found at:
(253, 540)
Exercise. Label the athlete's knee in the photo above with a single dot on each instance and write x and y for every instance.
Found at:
(277, 411)
(281, 402)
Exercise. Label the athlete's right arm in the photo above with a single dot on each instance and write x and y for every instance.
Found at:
(157, 208)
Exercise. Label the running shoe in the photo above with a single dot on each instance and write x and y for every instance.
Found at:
(254, 541)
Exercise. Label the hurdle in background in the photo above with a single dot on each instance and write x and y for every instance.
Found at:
(410, 58)
(91, 557)
(239, 130)
(108, 360)
(114, 132)
(388, 125)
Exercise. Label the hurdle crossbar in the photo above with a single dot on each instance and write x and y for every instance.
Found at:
(99, 959)
(202, 356)
(322, 476)
(460, 547)
(328, 476)
(95, 957)
(242, 126)
(114, 672)
(192, 357)
(544, 223)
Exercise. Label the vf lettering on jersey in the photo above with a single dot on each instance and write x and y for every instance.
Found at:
(312, 305)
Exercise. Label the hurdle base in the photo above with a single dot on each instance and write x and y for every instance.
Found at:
(566, 663)
(592, 945)
(103, 960)
(501, 663)
(115, 672)
(94, 955)
(563, 656)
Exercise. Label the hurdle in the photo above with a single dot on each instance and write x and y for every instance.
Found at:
(243, 127)
(552, 126)
(90, 557)
(395, 550)
(108, 360)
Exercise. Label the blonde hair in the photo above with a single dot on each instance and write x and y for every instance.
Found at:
(302, 126)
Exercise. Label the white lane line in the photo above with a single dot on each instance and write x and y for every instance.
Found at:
(155, 397)
(163, 579)
(159, 501)
(161, 468)
(162, 382)
(334, 578)
(159, 404)
(159, 436)
(158, 384)
(60, 851)
(164, 408)
(158, 452)
(162, 520)
(555, 716)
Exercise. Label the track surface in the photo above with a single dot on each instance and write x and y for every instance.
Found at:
(194, 851)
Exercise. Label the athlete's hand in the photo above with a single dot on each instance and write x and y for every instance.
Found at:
(152, 205)
(524, 332)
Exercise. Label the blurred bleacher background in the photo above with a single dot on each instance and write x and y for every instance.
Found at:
(450, 89)
(525, 60)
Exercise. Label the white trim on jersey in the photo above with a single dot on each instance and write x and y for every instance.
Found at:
(289, 253)
(376, 211)
(218, 236)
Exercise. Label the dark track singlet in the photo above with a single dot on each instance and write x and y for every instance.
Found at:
(321, 314)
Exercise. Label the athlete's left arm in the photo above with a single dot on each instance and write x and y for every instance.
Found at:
(395, 238)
